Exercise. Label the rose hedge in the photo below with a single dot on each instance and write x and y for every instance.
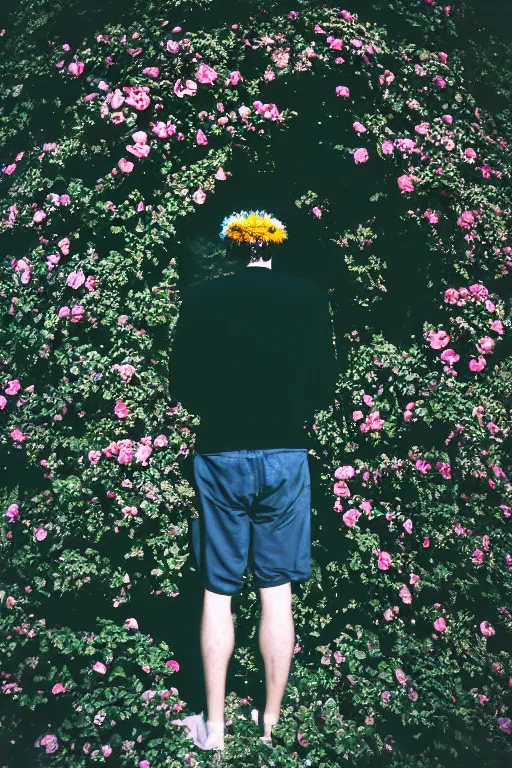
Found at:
(403, 184)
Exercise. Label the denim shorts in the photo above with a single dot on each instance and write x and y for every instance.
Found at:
(254, 511)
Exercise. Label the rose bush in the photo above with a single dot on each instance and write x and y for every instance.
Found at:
(113, 151)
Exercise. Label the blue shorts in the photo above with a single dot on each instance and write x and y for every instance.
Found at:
(254, 510)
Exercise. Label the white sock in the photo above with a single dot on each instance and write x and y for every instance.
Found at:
(214, 727)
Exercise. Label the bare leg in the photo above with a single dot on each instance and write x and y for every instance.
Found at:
(217, 646)
(277, 641)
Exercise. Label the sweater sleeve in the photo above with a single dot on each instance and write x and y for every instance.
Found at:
(322, 360)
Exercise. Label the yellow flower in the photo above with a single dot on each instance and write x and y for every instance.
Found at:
(255, 227)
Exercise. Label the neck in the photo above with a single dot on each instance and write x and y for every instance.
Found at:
(261, 263)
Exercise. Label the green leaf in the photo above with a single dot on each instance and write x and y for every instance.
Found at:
(117, 672)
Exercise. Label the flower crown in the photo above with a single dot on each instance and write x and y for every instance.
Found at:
(253, 227)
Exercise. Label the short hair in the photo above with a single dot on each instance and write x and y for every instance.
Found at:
(247, 252)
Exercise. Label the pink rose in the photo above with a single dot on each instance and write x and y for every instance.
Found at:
(235, 77)
(357, 415)
(423, 466)
(121, 410)
(449, 356)
(151, 71)
(173, 46)
(140, 137)
(451, 295)
(486, 629)
(387, 147)
(359, 127)
(470, 153)
(478, 557)
(440, 624)
(408, 526)
(206, 74)
(447, 119)
(342, 90)
(75, 279)
(125, 165)
(76, 68)
(281, 57)
(131, 624)
(497, 326)
(49, 741)
(189, 90)
(360, 155)
(466, 219)
(336, 43)
(173, 665)
(58, 688)
(485, 345)
(341, 489)
(13, 509)
(137, 97)
(345, 472)
(445, 469)
(199, 197)
(477, 365)
(351, 517)
(405, 183)
(439, 339)
(139, 150)
(201, 137)
(220, 174)
(505, 724)
(374, 421)
(422, 128)
(384, 561)
(13, 387)
(400, 676)
(438, 80)
(40, 534)
(431, 216)
(117, 99)
(100, 668)
(386, 78)
(405, 595)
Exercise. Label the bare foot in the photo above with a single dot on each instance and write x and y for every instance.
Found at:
(268, 722)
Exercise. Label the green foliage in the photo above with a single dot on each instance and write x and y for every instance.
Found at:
(96, 503)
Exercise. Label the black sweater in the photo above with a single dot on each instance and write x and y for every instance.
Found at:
(253, 356)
